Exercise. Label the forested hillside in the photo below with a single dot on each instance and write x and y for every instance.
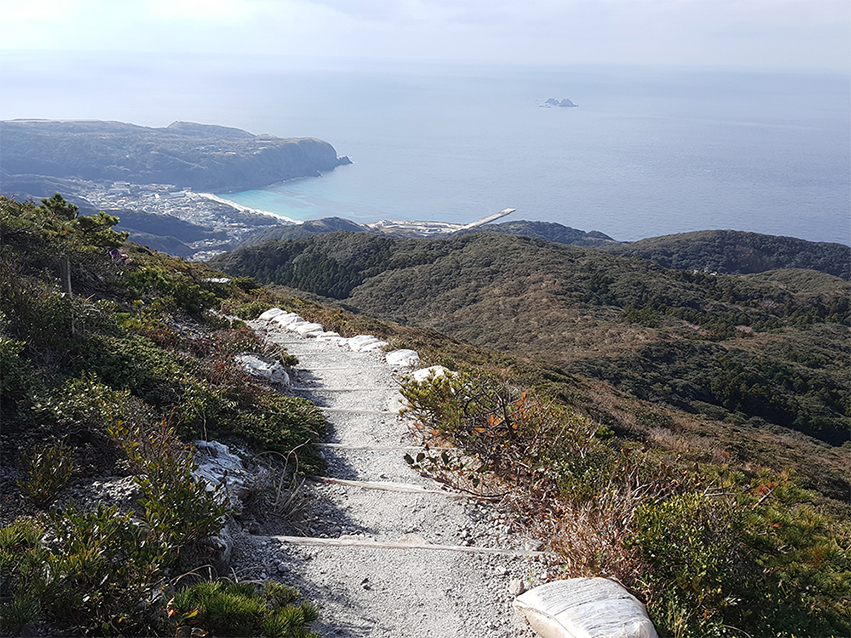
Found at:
(713, 436)
(757, 349)
(550, 231)
(733, 251)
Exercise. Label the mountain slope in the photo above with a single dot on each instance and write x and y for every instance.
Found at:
(769, 348)
(550, 231)
(733, 251)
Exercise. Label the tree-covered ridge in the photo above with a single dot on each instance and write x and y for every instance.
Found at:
(558, 233)
(305, 229)
(766, 348)
(732, 251)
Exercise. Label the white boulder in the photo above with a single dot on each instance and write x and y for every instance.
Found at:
(307, 327)
(364, 343)
(270, 314)
(432, 371)
(402, 358)
(359, 341)
(585, 608)
(218, 466)
(272, 372)
(372, 346)
(287, 318)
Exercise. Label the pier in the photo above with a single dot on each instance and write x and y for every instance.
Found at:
(426, 229)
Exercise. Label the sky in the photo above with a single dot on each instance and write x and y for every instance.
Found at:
(757, 34)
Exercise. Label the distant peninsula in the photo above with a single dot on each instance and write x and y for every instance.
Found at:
(183, 154)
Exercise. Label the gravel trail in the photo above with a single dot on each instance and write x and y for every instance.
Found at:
(364, 589)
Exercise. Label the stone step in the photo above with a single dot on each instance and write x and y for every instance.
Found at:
(413, 541)
(407, 488)
(331, 368)
(348, 446)
(357, 411)
(324, 389)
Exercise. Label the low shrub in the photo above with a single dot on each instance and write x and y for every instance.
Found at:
(713, 552)
(180, 510)
(175, 285)
(282, 424)
(733, 564)
(104, 571)
(242, 609)
(21, 561)
(48, 471)
(18, 377)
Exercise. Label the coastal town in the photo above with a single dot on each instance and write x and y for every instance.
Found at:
(203, 209)
(214, 213)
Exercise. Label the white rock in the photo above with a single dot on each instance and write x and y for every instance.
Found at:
(370, 347)
(286, 319)
(270, 314)
(304, 328)
(533, 545)
(273, 372)
(585, 608)
(218, 466)
(403, 358)
(516, 587)
(432, 371)
(359, 341)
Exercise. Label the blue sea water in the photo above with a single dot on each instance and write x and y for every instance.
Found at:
(648, 151)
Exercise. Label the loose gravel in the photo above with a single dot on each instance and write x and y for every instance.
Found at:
(390, 592)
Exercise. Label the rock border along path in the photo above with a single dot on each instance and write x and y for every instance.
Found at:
(390, 553)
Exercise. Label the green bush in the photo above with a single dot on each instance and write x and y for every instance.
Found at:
(21, 561)
(175, 285)
(136, 364)
(283, 424)
(103, 571)
(102, 565)
(48, 471)
(90, 572)
(242, 609)
(735, 564)
(691, 543)
(180, 510)
(17, 378)
(82, 402)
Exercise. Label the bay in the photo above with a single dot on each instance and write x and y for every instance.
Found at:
(648, 151)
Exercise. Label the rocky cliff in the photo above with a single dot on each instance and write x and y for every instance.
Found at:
(187, 155)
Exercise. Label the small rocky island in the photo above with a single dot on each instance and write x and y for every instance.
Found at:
(554, 102)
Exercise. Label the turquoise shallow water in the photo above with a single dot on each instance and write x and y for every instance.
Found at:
(649, 151)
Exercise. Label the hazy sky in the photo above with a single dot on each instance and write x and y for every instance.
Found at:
(803, 34)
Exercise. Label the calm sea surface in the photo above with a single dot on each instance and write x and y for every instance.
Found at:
(648, 151)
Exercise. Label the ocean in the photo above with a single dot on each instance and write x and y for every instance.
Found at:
(647, 151)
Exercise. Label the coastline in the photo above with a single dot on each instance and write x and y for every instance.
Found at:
(247, 209)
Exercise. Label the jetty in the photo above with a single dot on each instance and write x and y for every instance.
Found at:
(427, 229)
(489, 218)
